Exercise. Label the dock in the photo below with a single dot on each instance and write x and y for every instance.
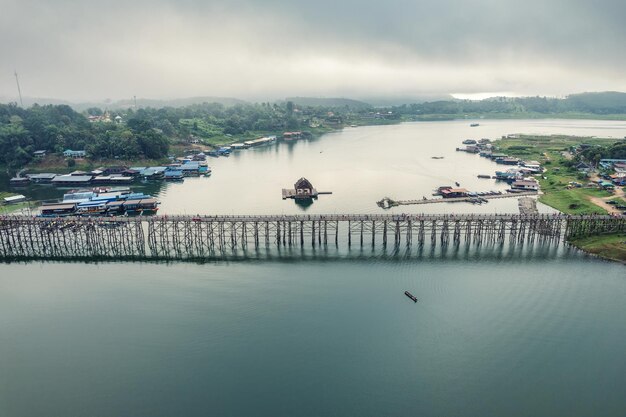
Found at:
(527, 206)
(387, 202)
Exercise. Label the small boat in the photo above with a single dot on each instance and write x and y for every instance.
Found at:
(436, 157)
(474, 125)
(484, 176)
(411, 296)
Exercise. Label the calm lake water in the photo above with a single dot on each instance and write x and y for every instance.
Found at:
(531, 331)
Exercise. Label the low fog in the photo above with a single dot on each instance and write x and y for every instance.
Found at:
(266, 50)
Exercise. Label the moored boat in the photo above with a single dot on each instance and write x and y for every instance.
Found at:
(411, 296)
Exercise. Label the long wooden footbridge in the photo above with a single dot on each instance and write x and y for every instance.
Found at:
(175, 237)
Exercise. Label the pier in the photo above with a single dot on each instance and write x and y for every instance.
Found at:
(191, 237)
(387, 202)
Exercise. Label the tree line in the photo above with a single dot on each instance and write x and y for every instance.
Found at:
(55, 128)
(607, 103)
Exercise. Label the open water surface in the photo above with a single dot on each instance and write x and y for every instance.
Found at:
(359, 165)
(498, 331)
(490, 335)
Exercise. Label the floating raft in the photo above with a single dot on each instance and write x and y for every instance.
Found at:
(411, 296)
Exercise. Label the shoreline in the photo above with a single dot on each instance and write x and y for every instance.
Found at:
(556, 191)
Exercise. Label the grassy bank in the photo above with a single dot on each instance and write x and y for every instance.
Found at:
(606, 246)
(552, 153)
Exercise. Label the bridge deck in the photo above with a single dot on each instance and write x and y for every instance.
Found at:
(179, 236)
(312, 217)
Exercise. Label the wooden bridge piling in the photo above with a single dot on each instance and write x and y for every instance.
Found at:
(185, 236)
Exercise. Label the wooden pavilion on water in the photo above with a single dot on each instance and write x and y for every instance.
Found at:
(302, 190)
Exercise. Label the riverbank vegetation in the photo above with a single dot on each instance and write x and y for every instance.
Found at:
(568, 183)
(151, 133)
(606, 105)
(128, 133)
(606, 246)
(565, 185)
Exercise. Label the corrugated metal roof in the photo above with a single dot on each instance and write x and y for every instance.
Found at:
(58, 207)
(72, 178)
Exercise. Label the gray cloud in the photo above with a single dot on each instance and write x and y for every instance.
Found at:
(252, 49)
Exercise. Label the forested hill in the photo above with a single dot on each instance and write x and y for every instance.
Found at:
(148, 132)
(606, 103)
(54, 128)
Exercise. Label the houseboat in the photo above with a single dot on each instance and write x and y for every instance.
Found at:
(58, 210)
(508, 176)
(41, 178)
(72, 180)
(525, 185)
(19, 182)
(174, 175)
(91, 208)
(141, 206)
(454, 192)
(260, 141)
(507, 161)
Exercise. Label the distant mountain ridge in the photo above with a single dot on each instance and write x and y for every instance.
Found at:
(607, 102)
(329, 102)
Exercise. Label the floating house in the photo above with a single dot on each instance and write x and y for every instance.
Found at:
(261, 141)
(174, 175)
(509, 176)
(238, 146)
(19, 182)
(58, 210)
(292, 135)
(469, 149)
(454, 192)
(41, 178)
(71, 180)
(190, 169)
(111, 179)
(116, 169)
(507, 161)
(525, 185)
(153, 173)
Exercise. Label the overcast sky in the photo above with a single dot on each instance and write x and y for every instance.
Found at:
(257, 49)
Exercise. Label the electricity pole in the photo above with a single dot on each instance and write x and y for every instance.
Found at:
(17, 81)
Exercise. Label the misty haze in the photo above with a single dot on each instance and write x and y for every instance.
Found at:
(322, 208)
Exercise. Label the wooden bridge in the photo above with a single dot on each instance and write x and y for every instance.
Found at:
(176, 237)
